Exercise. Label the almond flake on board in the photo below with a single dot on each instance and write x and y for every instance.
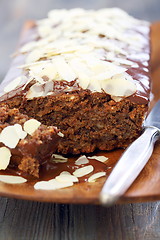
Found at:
(81, 160)
(83, 171)
(52, 184)
(95, 176)
(12, 179)
(59, 158)
(99, 158)
(66, 178)
(65, 172)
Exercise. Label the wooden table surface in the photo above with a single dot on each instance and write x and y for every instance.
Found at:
(26, 220)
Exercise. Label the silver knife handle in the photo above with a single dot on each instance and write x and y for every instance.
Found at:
(129, 166)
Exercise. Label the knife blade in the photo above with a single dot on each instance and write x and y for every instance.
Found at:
(132, 160)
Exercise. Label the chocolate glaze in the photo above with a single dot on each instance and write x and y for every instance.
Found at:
(32, 148)
(140, 74)
(50, 170)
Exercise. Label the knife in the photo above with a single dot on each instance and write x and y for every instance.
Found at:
(132, 160)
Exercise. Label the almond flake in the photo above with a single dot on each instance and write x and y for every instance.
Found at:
(5, 155)
(9, 137)
(52, 184)
(99, 158)
(83, 171)
(59, 185)
(95, 176)
(81, 160)
(59, 158)
(121, 85)
(31, 125)
(82, 72)
(64, 70)
(110, 70)
(12, 179)
(35, 90)
(34, 56)
(65, 172)
(44, 69)
(21, 134)
(66, 178)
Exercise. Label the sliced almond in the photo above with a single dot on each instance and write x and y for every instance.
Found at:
(119, 85)
(95, 176)
(21, 134)
(99, 158)
(31, 125)
(34, 56)
(66, 178)
(64, 70)
(44, 69)
(9, 137)
(59, 185)
(44, 185)
(12, 179)
(81, 160)
(59, 158)
(36, 77)
(65, 172)
(35, 90)
(5, 155)
(83, 171)
(52, 185)
(109, 71)
(82, 71)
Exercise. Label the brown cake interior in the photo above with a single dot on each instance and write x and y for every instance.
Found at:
(89, 121)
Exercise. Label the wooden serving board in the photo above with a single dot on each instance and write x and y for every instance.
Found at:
(145, 188)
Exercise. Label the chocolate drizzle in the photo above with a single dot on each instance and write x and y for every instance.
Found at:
(50, 170)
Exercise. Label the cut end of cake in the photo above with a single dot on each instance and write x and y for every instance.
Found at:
(25, 142)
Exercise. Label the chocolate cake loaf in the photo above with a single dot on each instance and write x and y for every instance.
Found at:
(25, 143)
(85, 72)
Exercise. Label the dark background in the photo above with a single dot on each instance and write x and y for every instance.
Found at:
(24, 220)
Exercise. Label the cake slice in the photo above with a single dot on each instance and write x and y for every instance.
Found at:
(25, 143)
(88, 73)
